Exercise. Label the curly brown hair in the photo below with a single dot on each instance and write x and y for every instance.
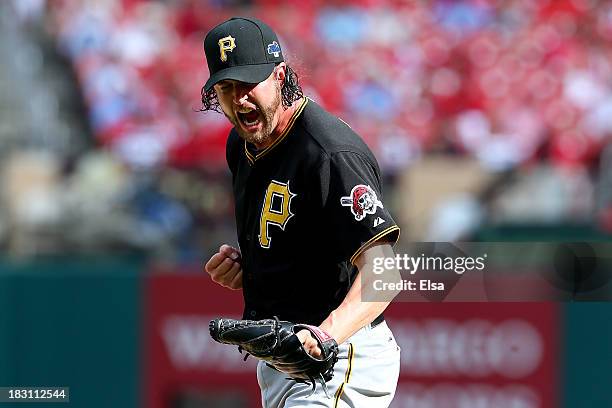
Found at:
(291, 91)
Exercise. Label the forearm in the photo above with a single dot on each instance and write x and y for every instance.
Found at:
(351, 316)
(354, 313)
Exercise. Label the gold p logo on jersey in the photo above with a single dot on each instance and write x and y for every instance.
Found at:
(272, 214)
(226, 44)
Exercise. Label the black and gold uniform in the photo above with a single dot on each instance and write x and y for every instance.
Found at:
(306, 207)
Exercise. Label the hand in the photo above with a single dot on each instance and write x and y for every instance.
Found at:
(224, 267)
(311, 345)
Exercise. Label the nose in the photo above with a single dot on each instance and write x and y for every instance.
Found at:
(240, 94)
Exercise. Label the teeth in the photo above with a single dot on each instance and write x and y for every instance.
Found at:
(245, 111)
(246, 122)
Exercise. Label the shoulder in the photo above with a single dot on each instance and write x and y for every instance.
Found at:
(331, 135)
(232, 148)
(233, 140)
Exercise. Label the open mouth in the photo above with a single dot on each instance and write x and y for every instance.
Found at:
(249, 118)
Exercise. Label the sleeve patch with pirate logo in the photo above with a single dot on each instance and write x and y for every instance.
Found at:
(362, 201)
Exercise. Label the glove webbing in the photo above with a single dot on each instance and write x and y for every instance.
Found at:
(277, 326)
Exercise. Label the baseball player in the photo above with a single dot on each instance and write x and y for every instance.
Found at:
(310, 219)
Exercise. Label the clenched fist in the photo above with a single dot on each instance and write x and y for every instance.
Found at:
(224, 267)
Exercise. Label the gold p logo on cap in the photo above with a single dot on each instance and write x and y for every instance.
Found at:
(226, 44)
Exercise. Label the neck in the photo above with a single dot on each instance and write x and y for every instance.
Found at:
(283, 121)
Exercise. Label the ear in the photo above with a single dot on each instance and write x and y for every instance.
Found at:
(280, 72)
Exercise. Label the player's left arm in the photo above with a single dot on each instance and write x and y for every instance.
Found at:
(353, 313)
(363, 230)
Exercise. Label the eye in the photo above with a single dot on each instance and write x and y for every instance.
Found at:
(224, 87)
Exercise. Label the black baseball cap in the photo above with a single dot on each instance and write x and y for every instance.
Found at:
(242, 49)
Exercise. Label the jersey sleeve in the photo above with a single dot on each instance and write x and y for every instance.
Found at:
(354, 204)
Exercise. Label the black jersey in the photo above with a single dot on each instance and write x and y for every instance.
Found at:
(306, 207)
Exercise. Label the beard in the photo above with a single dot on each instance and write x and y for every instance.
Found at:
(267, 114)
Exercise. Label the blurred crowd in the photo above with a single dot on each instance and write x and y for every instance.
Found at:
(505, 81)
(510, 83)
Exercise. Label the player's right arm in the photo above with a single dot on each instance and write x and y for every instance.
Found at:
(224, 267)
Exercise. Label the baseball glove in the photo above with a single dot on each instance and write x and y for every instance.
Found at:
(276, 343)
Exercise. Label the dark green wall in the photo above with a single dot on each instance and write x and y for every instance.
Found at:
(587, 375)
(73, 322)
